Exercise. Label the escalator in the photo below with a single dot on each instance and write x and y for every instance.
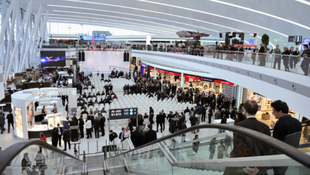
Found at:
(168, 155)
(219, 149)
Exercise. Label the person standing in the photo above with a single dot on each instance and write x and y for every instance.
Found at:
(285, 58)
(287, 129)
(2, 122)
(66, 138)
(196, 144)
(88, 127)
(136, 137)
(220, 150)
(210, 114)
(159, 122)
(55, 137)
(81, 126)
(10, 119)
(203, 114)
(212, 148)
(150, 135)
(244, 147)
(59, 134)
(96, 126)
(102, 124)
(151, 116)
(277, 57)
(296, 57)
(305, 63)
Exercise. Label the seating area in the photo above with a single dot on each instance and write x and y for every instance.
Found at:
(141, 101)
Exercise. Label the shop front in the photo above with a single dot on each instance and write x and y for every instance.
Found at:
(29, 104)
(204, 84)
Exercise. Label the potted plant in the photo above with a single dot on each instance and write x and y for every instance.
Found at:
(265, 39)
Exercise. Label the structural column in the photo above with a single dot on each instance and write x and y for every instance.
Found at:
(182, 80)
(155, 73)
(239, 95)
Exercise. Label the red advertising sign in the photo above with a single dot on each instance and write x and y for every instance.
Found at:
(223, 82)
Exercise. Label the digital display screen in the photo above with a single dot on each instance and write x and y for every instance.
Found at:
(53, 58)
(89, 38)
(294, 38)
(125, 113)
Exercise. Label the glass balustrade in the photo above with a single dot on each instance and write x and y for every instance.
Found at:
(289, 63)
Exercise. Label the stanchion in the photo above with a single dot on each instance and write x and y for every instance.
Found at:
(88, 146)
(97, 145)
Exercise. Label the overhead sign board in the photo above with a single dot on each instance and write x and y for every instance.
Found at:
(124, 113)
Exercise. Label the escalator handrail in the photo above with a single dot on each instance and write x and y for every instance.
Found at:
(11, 152)
(284, 148)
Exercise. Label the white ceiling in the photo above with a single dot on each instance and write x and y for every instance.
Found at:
(277, 18)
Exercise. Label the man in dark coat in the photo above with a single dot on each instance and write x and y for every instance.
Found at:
(136, 137)
(150, 135)
(102, 123)
(2, 121)
(159, 122)
(81, 126)
(10, 119)
(66, 138)
(96, 126)
(244, 146)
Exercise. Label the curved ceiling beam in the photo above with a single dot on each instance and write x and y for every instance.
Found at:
(139, 9)
(77, 14)
(260, 12)
(207, 13)
(138, 28)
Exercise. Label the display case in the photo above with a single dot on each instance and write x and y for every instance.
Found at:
(53, 120)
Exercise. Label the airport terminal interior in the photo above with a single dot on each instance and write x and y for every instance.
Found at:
(135, 87)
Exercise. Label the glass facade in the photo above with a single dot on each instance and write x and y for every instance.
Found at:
(68, 28)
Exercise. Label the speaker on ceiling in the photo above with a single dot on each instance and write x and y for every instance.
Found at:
(254, 35)
(221, 36)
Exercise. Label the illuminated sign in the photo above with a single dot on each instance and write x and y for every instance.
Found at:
(223, 82)
(124, 113)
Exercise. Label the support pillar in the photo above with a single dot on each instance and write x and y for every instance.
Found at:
(155, 73)
(15, 50)
(182, 80)
(239, 96)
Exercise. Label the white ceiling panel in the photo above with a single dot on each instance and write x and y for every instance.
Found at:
(276, 18)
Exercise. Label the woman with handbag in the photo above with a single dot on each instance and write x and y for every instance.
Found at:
(26, 163)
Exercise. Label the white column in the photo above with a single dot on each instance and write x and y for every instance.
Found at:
(31, 40)
(298, 116)
(42, 31)
(7, 17)
(239, 96)
(155, 73)
(13, 56)
(8, 52)
(182, 80)
(36, 38)
(256, 39)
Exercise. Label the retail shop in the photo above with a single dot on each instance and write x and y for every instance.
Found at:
(204, 84)
(28, 105)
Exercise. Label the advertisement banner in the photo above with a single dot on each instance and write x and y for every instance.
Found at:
(18, 122)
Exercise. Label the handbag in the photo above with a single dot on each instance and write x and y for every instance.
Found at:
(43, 167)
